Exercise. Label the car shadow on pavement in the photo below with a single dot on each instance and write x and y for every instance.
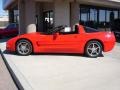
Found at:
(50, 54)
(64, 54)
(59, 54)
(7, 52)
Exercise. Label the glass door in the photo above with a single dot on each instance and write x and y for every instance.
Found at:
(48, 20)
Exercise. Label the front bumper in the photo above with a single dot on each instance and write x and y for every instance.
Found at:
(10, 46)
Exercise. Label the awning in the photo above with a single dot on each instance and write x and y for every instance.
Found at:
(7, 3)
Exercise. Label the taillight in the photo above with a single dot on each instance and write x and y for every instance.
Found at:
(108, 35)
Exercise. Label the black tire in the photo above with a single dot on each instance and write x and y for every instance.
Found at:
(24, 47)
(93, 49)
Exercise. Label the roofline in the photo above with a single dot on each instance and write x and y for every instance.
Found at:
(7, 3)
(115, 0)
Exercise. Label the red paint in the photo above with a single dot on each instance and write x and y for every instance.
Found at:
(69, 43)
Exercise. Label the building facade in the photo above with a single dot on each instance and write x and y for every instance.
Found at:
(41, 15)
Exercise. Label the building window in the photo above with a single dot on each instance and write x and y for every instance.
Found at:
(102, 19)
(84, 16)
(98, 17)
(93, 18)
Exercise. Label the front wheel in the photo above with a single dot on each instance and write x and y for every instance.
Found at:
(93, 49)
(23, 47)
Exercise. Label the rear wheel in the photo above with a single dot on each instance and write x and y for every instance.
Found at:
(93, 49)
(23, 47)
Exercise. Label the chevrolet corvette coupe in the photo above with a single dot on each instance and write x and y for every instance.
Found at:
(81, 40)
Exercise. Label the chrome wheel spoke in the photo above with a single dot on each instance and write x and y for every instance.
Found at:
(93, 49)
(23, 47)
(90, 49)
(93, 45)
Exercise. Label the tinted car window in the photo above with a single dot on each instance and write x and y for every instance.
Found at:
(11, 26)
(90, 30)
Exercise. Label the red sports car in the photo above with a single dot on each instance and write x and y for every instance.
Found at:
(82, 40)
(10, 30)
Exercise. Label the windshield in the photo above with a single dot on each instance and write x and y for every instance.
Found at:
(11, 26)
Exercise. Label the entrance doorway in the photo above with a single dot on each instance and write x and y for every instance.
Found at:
(48, 20)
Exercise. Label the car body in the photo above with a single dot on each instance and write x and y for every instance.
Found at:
(10, 30)
(79, 40)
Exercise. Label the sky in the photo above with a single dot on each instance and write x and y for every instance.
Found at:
(2, 12)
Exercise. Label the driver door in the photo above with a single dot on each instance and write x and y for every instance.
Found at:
(66, 43)
(59, 43)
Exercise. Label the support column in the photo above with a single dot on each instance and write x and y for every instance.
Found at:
(30, 16)
(11, 16)
(61, 12)
(21, 7)
(40, 19)
(27, 16)
(75, 12)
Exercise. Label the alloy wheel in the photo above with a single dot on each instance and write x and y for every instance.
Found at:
(93, 49)
(24, 47)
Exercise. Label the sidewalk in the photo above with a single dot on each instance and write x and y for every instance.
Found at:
(6, 82)
(66, 72)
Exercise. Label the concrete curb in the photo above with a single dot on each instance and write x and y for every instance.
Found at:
(15, 79)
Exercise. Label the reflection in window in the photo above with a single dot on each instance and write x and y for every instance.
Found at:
(108, 16)
(93, 15)
(84, 16)
(102, 18)
(102, 15)
(93, 18)
(98, 17)
(115, 14)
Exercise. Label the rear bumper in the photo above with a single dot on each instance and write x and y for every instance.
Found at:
(109, 45)
(109, 42)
